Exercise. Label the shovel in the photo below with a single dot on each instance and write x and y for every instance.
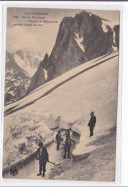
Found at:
(54, 163)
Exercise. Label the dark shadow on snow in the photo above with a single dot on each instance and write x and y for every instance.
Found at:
(104, 139)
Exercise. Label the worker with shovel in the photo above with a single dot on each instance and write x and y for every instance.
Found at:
(42, 156)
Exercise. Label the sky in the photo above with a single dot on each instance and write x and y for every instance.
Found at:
(41, 38)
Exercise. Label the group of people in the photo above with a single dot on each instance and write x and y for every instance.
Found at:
(67, 145)
(42, 154)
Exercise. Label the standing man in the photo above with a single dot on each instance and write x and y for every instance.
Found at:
(42, 156)
(92, 123)
(67, 146)
(58, 139)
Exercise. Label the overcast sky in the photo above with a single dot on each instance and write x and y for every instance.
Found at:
(42, 38)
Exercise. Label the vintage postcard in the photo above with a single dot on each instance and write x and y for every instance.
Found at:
(61, 94)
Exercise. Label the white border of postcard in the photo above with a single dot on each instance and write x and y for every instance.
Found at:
(68, 5)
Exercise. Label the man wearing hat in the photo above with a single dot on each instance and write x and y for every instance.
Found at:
(92, 123)
(58, 139)
(42, 156)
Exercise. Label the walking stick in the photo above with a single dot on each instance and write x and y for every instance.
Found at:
(62, 152)
(52, 162)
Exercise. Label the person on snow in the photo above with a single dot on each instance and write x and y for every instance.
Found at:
(67, 146)
(58, 139)
(67, 134)
(92, 123)
(42, 156)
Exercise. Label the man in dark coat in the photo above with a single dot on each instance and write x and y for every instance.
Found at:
(67, 146)
(58, 139)
(42, 156)
(92, 123)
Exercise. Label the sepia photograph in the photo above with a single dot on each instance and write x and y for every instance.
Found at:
(61, 94)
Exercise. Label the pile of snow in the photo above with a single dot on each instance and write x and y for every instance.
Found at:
(23, 131)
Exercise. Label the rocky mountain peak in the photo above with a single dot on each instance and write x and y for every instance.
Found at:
(79, 39)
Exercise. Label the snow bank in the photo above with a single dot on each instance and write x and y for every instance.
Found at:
(22, 133)
(51, 120)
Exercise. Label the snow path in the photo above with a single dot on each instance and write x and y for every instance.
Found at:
(31, 170)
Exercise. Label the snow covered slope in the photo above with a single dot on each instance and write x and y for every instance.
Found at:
(67, 102)
(46, 88)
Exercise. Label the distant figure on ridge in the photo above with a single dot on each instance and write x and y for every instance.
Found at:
(42, 156)
(58, 139)
(92, 123)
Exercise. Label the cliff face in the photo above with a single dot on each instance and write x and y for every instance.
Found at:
(80, 39)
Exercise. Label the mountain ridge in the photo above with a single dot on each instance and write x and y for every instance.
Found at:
(19, 66)
(79, 39)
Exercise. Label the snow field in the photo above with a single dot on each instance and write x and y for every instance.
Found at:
(49, 85)
(67, 106)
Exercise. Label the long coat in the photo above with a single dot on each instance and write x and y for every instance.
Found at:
(68, 143)
(58, 138)
(92, 121)
(43, 156)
